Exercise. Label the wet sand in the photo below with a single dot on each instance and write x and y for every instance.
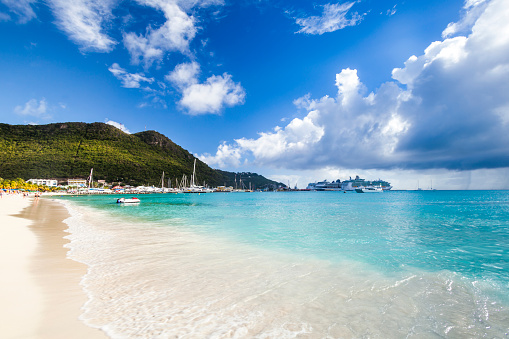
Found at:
(41, 296)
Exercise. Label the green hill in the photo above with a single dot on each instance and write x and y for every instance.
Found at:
(71, 149)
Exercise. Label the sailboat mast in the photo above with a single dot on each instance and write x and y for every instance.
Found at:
(90, 178)
(193, 178)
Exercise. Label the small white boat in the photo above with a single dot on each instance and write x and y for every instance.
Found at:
(369, 189)
(128, 200)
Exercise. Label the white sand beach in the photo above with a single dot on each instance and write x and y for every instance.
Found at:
(40, 295)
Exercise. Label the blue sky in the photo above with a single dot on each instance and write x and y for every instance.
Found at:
(299, 91)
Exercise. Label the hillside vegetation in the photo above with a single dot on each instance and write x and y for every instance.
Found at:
(71, 149)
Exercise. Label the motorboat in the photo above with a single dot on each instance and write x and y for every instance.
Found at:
(369, 189)
(128, 200)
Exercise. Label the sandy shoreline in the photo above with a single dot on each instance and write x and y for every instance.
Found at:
(39, 288)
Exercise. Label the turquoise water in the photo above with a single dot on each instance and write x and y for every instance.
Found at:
(463, 231)
(427, 241)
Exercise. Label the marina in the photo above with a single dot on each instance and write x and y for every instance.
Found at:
(190, 186)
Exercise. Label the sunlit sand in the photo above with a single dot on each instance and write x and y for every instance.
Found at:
(40, 290)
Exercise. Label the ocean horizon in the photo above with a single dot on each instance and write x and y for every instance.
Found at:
(295, 264)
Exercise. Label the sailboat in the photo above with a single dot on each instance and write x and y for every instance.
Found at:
(166, 189)
(193, 188)
(162, 183)
(241, 187)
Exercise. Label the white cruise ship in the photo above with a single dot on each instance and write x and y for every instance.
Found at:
(325, 186)
(348, 185)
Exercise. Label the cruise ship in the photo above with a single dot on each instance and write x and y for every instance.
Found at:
(325, 186)
(348, 185)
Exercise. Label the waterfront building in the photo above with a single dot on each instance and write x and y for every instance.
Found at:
(77, 182)
(44, 182)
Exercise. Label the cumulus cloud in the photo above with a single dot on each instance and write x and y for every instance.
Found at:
(224, 157)
(211, 96)
(346, 130)
(84, 20)
(447, 108)
(33, 107)
(118, 125)
(184, 75)
(333, 18)
(21, 8)
(174, 35)
(129, 80)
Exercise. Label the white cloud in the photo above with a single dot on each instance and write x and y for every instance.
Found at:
(21, 8)
(129, 80)
(212, 96)
(118, 125)
(298, 137)
(471, 12)
(224, 157)
(174, 35)
(392, 11)
(452, 114)
(217, 92)
(33, 107)
(448, 53)
(333, 18)
(84, 20)
(347, 129)
(184, 75)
